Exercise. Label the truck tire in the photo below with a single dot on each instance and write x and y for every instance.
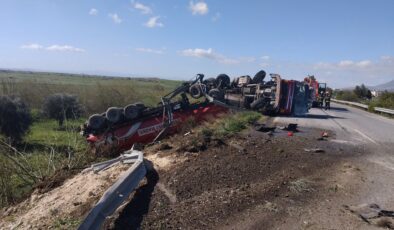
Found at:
(257, 104)
(114, 114)
(133, 111)
(216, 94)
(195, 91)
(96, 121)
(259, 77)
(222, 81)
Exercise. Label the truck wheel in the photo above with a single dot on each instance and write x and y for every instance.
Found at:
(257, 104)
(259, 77)
(133, 111)
(96, 121)
(210, 83)
(222, 80)
(114, 114)
(216, 94)
(195, 91)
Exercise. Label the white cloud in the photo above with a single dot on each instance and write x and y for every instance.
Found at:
(64, 48)
(154, 22)
(216, 17)
(210, 54)
(345, 63)
(265, 57)
(247, 59)
(93, 11)
(264, 64)
(149, 50)
(198, 53)
(200, 8)
(32, 46)
(115, 18)
(60, 48)
(348, 72)
(364, 63)
(142, 8)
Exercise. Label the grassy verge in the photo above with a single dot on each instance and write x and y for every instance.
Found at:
(214, 132)
(49, 155)
(236, 123)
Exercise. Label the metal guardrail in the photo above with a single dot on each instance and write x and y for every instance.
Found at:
(384, 110)
(377, 109)
(351, 103)
(116, 194)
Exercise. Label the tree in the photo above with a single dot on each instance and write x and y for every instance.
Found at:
(369, 95)
(358, 91)
(62, 107)
(15, 118)
(362, 92)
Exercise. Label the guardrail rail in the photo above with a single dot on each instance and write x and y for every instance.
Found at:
(364, 106)
(118, 192)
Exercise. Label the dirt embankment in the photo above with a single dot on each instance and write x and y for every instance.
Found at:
(252, 180)
(63, 206)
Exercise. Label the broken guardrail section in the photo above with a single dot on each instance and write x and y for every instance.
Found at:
(119, 191)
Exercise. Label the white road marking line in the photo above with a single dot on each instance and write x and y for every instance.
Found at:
(343, 142)
(382, 163)
(365, 136)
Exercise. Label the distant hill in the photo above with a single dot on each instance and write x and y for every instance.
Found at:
(389, 86)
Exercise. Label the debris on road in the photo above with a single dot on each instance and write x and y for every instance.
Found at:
(371, 213)
(314, 150)
(292, 127)
(263, 128)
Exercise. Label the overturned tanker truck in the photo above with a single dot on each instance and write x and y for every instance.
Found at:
(118, 129)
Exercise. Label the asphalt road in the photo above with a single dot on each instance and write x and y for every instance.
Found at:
(350, 124)
(353, 126)
(372, 133)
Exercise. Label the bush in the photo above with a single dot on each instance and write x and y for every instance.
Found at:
(362, 92)
(62, 107)
(236, 123)
(15, 118)
(386, 100)
(346, 96)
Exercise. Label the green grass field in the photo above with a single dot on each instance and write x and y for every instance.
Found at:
(96, 93)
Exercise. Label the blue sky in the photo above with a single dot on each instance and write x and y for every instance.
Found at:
(340, 42)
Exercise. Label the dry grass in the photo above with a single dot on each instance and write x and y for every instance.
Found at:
(301, 185)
